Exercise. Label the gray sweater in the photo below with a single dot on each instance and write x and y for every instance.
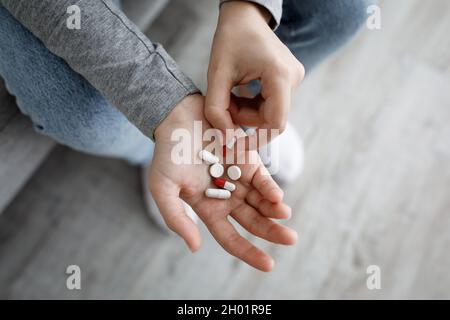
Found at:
(134, 74)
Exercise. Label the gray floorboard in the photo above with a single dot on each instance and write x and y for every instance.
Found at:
(375, 191)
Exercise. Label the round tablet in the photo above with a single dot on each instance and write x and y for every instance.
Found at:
(234, 172)
(250, 131)
(216, 170)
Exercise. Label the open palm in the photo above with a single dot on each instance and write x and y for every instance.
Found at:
(255, 201)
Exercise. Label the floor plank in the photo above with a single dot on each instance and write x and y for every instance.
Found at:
(21, 149)
(375, 191)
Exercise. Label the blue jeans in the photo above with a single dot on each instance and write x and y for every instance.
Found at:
(64, 106)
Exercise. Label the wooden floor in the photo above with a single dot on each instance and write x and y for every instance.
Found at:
(376, 190)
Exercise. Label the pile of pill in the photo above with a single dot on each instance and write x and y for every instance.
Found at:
(216, 170)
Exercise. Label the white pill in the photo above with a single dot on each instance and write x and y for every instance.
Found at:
(231, 143)
(234, 172)
(208, 157)
(216, 170)
(218, 193)
(250, 131)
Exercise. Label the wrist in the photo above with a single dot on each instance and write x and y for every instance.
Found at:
(236, 9)
(182, 115)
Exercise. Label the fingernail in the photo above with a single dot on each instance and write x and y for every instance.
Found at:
(192, 250)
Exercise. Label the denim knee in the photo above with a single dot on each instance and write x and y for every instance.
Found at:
(78, 116)
(313, 29)
(85, 121)
(348, 19)
(60, 102)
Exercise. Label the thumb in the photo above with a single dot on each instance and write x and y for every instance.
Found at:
(174, 214)
(217, 101)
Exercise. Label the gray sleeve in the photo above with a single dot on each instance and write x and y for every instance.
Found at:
(275, 7)
(134, 74)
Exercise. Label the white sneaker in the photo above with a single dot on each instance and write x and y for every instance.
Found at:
(152, 208)
(284, 156)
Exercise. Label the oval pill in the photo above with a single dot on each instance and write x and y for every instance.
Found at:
(250, 131)
(222, 183)
(208, 157)
(231, 143)
(234, 172)
(218, 193)
(216, 170)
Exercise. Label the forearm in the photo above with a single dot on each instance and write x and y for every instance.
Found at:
(134, 74)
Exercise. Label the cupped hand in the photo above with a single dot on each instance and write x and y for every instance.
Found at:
(245, 49)
(255, 202)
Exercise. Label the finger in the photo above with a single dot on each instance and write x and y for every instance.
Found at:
(246, 111)
(268, 209)
(263, 227)
(269, 189)
(227, 236)
(217, 101)
(174, 214)
(275, 109)
(251, 103)
(246, 117)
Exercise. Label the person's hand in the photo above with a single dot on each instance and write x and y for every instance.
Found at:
(256, 200)
(245, 49)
